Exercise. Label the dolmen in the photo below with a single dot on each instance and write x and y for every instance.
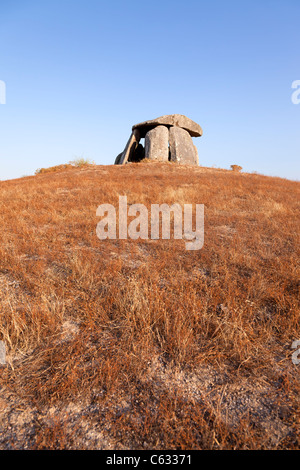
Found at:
(167, 138)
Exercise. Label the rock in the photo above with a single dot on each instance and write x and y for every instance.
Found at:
(118, 158)
(136, 154)
(130, 148)
(178, 120)
(157, 144)
(176, 128)
(2, 353)
(182, 148)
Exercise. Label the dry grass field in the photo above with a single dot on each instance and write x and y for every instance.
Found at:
(123, 344)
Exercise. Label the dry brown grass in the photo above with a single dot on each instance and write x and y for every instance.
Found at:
(142, 344)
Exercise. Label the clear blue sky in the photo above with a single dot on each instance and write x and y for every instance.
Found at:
(80, 73)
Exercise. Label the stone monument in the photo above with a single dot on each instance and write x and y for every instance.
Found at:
(167, 138)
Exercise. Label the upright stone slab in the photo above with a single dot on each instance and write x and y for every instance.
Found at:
(157, 144)
(130, 148)
(118, 158)
(182, 147)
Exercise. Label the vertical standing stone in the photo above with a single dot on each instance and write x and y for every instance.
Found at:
(130, 148)
(157, 144)
(182, 147)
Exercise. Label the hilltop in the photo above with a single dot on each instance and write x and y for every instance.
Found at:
(141, 344)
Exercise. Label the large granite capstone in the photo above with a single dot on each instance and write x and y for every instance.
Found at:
(169, 120)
